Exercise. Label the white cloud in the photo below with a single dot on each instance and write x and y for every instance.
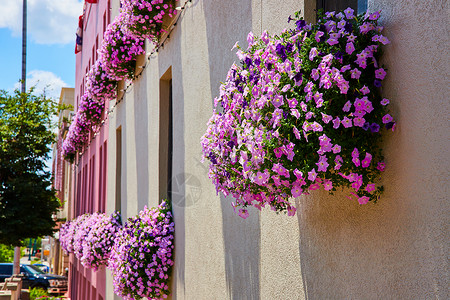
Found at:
(44, 81)
(48, 21)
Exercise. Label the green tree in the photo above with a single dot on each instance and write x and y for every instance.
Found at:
(27, 199)
(6, 253)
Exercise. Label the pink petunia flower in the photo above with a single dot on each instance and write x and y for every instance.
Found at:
(387, 118)
(384, 101)
(312, 175)
(380, 73)
(363, 200)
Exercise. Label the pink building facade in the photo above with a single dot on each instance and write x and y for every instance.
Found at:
(89, 169)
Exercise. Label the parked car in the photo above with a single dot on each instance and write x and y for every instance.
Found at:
(34, 277)
(43, 267)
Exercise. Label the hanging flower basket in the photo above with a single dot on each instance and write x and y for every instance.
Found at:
(100, 239)
(144, 18)
(98, 85)
(90, 237)
(303, 111)
(119, 50)
(142, 260)
(77, 136)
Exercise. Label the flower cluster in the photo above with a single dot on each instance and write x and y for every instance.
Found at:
(99, 85)
(88, 116)
(68, 231)
(91, 237)
(303, 111)
(100, 239)
(119, 50)
(142, 260)
(144, 18)
(123, 40)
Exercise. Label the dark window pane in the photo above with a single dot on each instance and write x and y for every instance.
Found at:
(339, 5)
(6, 269)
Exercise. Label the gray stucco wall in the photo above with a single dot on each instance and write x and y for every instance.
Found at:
(333, 248)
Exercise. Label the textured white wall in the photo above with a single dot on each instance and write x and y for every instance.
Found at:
(397, 248)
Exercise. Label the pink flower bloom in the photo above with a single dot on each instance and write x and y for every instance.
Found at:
(384, 101)
(322, 165)
(364, 90)
(250, 39)
(277, 101)
(351, 38)
(363, 200)
(295, 113)
(265, 37)
(365, 28)
(336, 123)
(318, 99)
(366, 161)
(380, 166)
(314, 186)
(387, 118)
(312, 175)
(319, 34)
(276, 180)
(261, 178)
(355, 152)
(309, 115)
(336, 149)
(370, 187)
(374, 16)
(326, 118)
(304, 106)
(383, 40)
(315, 74)
(292, 103)
(313, 53)
(316, 126)
(345, 68)
(355, 73)
(380, 73)
(349, 48)
(243, 213)
(359, 121)
(296, 191)
(347, 106)
(346, 122)
(298, 174)
(357, 183)
(296, 133)
(328, 185)
(291, 210)
(332, 41)
(278, 152)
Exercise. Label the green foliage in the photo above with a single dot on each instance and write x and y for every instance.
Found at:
(38, 293)
(6, 253)
(27, 199)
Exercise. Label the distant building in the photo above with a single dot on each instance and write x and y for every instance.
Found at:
(62, 182)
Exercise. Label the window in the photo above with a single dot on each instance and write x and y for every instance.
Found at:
(359, 6)
(165, 135)
(6, 269)
(118, 168)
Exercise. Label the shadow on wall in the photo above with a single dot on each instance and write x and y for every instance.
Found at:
(373, 251)
(178, 190)
(241, 237)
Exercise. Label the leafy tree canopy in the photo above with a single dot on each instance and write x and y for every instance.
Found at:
(27, 199)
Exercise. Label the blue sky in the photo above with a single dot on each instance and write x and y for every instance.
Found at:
(50, 43)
